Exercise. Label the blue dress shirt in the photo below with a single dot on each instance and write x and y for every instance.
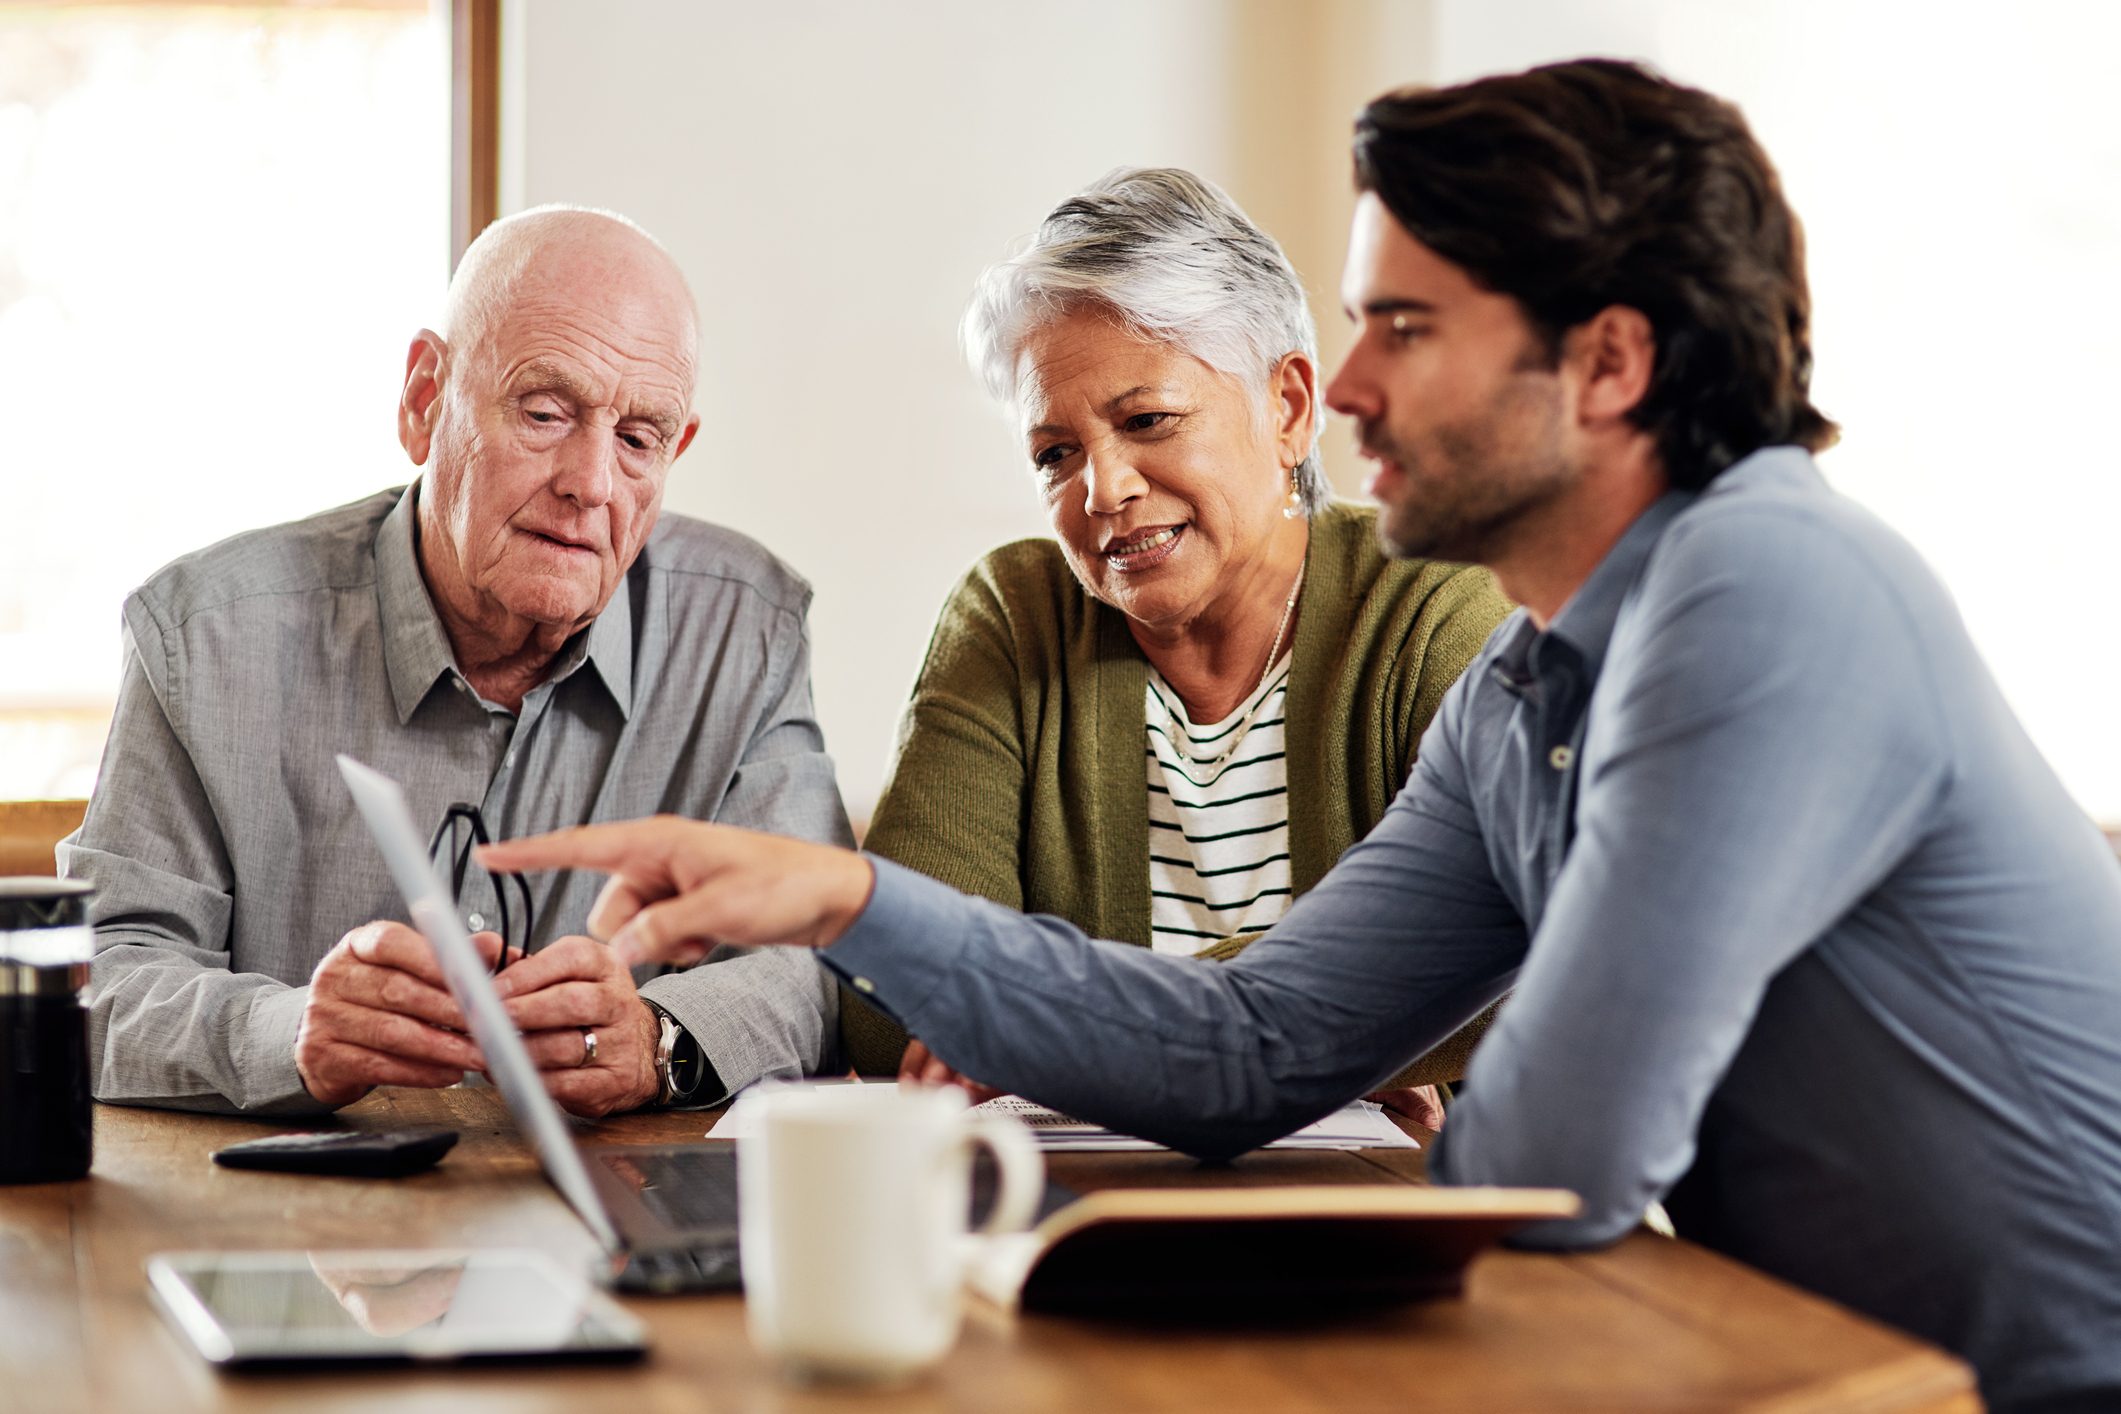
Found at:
(1806, 939)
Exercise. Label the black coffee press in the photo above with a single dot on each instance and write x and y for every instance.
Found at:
(45, 945)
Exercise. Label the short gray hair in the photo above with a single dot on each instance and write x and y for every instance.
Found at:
(1168, 254)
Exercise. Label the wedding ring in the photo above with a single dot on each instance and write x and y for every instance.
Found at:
(589, 1049)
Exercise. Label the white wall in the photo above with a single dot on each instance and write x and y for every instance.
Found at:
(834, 175)
(218, 228)
(1958, 170)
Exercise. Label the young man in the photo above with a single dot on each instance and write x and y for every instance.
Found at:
(1805, 938)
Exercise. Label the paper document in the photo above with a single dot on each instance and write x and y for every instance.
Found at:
(1357, 1125)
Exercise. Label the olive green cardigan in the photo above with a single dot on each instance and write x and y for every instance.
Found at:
(1019, 772)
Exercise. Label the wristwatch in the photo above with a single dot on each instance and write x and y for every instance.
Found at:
(681, 1069)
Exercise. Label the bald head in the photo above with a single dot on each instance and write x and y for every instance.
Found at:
(546, 412)
(566, 252)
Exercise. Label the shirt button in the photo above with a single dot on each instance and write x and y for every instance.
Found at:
(509, 759)
(460, 685)
(1561, 758)
(863, 984)
(476, 922)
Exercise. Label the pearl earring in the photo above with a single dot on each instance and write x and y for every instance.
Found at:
(1295, 509)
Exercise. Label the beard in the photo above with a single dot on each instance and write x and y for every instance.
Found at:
(1468, 493)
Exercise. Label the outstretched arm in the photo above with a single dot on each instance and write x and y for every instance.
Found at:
(1408, 938)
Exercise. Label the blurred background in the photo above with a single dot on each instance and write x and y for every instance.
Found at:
(219, 226)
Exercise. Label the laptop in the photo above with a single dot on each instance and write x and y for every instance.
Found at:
(665, 1213)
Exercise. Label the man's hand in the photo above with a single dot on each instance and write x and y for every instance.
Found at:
(920, 1066)
(679, 887)
(570, 986)
(380, 1013)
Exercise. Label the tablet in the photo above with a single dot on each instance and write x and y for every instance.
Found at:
(279, 1309)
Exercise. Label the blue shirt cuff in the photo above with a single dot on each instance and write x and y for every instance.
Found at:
(906, 939)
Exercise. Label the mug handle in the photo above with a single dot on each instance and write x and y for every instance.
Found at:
(1023, 1172)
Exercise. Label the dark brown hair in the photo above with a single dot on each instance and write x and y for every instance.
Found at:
(1577, 186)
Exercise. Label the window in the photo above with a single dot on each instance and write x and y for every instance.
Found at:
(1958, 171)
(219, 226)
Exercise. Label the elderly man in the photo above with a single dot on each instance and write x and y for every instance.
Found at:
(516, 630)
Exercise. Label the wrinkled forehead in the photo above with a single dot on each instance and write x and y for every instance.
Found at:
(553, 271)
(1089, 358)
(612, 343)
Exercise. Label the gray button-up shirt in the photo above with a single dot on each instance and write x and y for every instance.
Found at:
(1805, 939)
(227, 856)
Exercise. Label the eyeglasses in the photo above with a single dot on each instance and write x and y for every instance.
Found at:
(462, 830)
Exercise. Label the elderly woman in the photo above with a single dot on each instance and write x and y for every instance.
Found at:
(1170, 719)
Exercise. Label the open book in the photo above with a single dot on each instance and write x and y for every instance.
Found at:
(1191, 1251)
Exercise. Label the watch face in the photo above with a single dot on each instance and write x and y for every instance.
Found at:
(684, 1064)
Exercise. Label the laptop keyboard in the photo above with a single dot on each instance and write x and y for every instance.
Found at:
(695, 1189)
(665, 1273)
(690, 1188)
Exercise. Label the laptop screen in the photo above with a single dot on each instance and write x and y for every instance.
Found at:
(382, 805)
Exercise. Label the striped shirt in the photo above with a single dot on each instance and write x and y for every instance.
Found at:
(1218, 834)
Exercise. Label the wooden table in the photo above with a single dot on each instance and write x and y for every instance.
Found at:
(1651, 1324)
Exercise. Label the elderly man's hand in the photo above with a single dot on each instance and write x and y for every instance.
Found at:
(380, 1013)
(679, 887)
(574, 986)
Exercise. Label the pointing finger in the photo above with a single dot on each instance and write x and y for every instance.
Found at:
(616, 905)
(678, 929)
(639, 849)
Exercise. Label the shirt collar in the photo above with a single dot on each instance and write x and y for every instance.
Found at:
(1585, 624)
(416, 650)
(609, 645)
(1586, 621)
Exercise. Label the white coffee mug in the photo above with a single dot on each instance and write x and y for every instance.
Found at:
(853, 1204)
